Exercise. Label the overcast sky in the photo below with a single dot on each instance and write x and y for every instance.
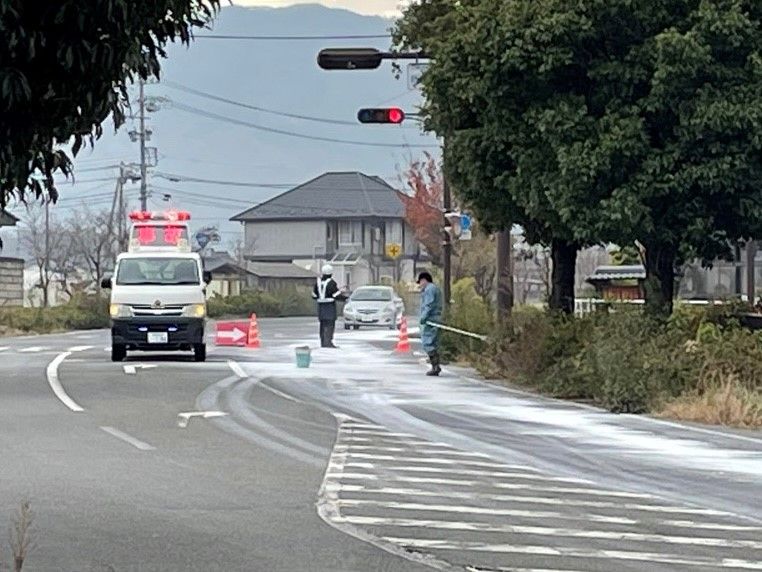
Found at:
(381, 7)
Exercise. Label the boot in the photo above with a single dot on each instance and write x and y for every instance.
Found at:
(434, 361)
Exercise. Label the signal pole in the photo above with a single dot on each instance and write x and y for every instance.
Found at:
(143, 166)
(447, 244)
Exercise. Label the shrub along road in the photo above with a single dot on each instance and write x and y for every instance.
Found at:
(359, 463)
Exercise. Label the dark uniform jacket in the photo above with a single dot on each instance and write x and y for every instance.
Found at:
(327, 293)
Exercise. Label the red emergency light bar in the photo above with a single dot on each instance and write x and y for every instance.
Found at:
(172, 216)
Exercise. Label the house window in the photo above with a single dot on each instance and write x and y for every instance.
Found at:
(350, 233)
(394, 232)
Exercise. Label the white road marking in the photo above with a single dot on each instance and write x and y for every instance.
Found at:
(475, 473)
(133, 369)
(237, 369)
(549, 531)
(184, 418)
(711, 525)
(480, 510)
(429, 480)
(452, 453)
(80, 348)
(137, 443)
(379, 433)
(576, 553)
(33, 349)
(55, 383)
(4, 348)
(424, 460)
(399, 491)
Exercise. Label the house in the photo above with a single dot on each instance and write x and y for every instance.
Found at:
(619, 282)
(229, 278)
(11, 271)
(353, 221)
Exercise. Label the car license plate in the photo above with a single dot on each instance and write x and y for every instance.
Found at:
(158, 337)
(366, 319)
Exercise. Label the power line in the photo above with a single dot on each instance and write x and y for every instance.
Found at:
(184, 179)
(292, 38)
(203, 113)
(180, 87)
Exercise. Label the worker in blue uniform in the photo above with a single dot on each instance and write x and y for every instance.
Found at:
(431, 311)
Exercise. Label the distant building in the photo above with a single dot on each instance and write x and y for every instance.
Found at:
(11, 271)
(351, 220)
(619, 282)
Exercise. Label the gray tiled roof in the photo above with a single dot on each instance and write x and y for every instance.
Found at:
(628, 272)
(7, 219)
(279, 270)
(331, 196)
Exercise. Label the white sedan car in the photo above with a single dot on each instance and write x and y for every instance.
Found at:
(377, 306)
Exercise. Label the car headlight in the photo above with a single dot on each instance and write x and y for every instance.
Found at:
(390, 310)
(349, 309)
(120, 311)
(195, 311)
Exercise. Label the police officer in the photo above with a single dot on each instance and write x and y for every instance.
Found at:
(431, 311)
(327, 293)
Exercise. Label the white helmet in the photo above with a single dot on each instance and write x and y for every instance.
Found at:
(327, 270)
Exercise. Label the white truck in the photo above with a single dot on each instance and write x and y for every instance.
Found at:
(158, 298)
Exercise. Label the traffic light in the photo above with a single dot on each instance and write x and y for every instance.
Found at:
(381, 115)
(350, 59)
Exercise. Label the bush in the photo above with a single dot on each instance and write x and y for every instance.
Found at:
(278, 303)
(468, 312)
(80, 313)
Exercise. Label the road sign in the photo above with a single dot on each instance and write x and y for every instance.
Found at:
(414, 73)
(232, 333)
(393, 250)
(465, 226)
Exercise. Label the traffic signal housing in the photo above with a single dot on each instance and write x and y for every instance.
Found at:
(350, 58)
(393, 115)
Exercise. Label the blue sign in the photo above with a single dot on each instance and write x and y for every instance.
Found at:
(465, 222)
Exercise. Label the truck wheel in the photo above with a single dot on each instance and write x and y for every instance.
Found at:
(118, 352)
(346, 326)
(355, 327)
(199, 352)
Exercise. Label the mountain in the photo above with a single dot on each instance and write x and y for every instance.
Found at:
(193, 140)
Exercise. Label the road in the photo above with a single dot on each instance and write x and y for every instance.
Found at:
(358, 463)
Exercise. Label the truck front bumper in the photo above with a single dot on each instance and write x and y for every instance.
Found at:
(181, 333)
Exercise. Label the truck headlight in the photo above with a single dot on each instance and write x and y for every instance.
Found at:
(120, 311)
(195, 311)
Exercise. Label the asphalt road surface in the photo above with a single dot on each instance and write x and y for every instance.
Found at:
(359, 463)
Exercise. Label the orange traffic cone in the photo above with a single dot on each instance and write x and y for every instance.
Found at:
(252, 341)
(403, 345)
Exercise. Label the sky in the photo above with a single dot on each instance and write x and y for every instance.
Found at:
(372, 7)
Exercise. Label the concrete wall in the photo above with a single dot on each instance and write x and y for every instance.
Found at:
(11, 282)
(285, 239)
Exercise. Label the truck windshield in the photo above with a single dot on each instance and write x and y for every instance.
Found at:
(157, 271)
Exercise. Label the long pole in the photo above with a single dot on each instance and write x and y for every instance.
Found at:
(447, 243)
(143, 166)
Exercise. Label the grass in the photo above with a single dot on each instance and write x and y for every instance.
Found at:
(729, 404)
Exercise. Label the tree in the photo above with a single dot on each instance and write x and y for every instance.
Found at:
(66, 66)
(33, 242)
(423, 204)
(93, 234)
(604, 120)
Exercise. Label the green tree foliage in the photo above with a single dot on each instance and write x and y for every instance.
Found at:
(65, 67)
(602, 120)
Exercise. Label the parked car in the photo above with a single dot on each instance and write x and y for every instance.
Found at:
(377, 306)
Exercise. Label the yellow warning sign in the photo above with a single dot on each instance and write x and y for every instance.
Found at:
(393, 250)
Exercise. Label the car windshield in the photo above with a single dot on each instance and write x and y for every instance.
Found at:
(372, 295)
(157, 271)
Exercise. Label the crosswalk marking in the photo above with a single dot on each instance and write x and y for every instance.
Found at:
(735, 563)
(481, 510)
(550, 531)
(437, 461)
(452, 453)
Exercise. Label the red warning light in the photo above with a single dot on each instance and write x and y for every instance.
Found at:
(140, 216)
(172, 234)
(146, 235)
(396, 115)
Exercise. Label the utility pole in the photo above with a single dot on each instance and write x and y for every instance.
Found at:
(738, 269)
(504, 274)
(751, 255)
(143, 166)
(447, 244)
(46, 285)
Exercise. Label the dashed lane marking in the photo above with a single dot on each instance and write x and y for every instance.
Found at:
(80, 348)
(137, 443)
(32, 350)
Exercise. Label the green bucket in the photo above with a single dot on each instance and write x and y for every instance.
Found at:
(303, 357)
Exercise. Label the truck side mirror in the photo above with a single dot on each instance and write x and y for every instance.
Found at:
(207, 277)
(106, 284)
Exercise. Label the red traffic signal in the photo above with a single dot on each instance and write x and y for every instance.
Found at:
(382, 115)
